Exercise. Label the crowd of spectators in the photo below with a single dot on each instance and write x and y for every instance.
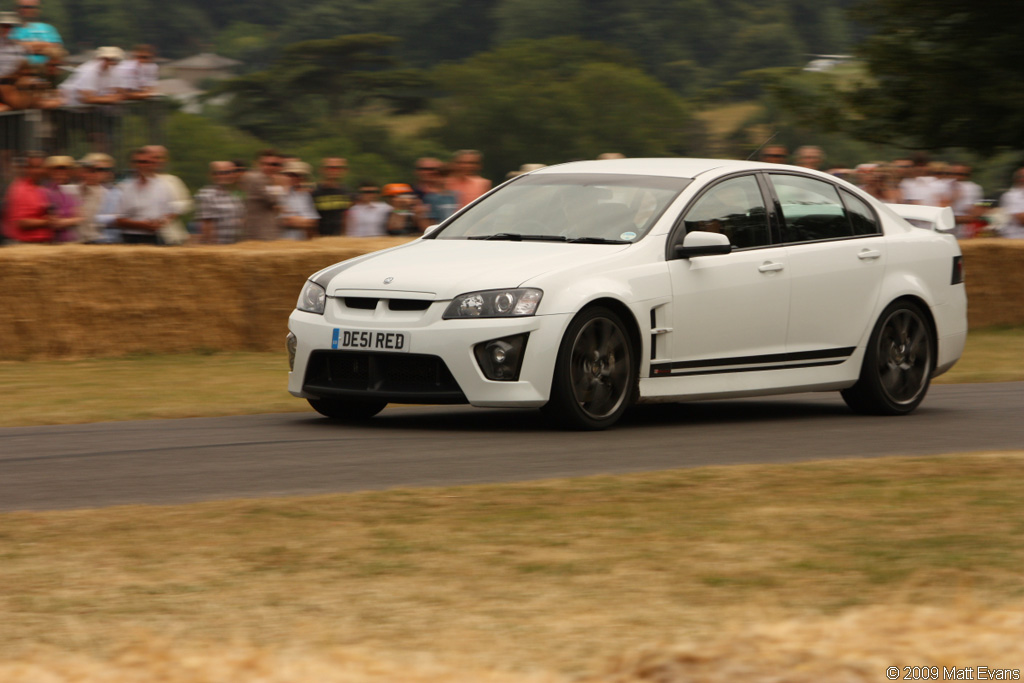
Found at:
(32, 73)
(917, 179)
(58, 199)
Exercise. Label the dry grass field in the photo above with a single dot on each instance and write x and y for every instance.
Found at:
(809, 572)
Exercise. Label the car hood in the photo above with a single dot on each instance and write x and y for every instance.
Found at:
(447, 268)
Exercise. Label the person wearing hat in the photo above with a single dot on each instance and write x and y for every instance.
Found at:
(12, 57)
(36, 36)
(408, 214)
(97, 172)
(299, 219)
(95, 81)
(63, 197)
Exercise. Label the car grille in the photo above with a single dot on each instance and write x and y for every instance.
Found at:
(403, 377)
(370, 303)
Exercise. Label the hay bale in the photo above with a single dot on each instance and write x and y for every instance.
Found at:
(78, 301)
(90, 301)
(994, 274)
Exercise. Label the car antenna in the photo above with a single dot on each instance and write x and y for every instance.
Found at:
(762, 145)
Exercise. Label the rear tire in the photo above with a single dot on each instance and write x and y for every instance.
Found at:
(595, 372)
(347, 410)
(898, 363)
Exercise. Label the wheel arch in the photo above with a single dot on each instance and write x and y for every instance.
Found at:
(630, 320)
(929, 318)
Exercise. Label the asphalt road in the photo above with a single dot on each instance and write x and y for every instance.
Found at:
(180, 461)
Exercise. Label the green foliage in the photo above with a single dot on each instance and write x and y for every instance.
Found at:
(314, 81)
(195, 141)
(245, 41)
(660, 33)
(941, 75)
(549, 101)
(801, 108)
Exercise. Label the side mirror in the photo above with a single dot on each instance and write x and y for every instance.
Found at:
(699, 243)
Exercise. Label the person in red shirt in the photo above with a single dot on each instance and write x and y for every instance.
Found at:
(29, 216)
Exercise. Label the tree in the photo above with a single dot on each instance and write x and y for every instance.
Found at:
(942, 74)
(316, 80)
(548, 101)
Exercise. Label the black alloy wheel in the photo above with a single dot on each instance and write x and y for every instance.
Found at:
(898, 363)
(595, 377)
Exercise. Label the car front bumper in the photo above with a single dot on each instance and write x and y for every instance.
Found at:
(429, 336)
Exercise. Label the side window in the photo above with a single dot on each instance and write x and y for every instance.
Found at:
(734, 208)
(861, 215)
(811, 209)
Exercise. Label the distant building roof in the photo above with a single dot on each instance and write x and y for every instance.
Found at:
(205, 60)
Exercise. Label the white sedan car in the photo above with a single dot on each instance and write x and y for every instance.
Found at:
(584, 288)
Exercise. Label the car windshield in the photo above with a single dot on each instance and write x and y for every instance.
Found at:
(578, 208)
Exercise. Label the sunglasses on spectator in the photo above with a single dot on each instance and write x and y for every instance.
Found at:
(428, 168)
(337, 168)
(223, 173)
(774, 156)
(99, 169)
(272, 163)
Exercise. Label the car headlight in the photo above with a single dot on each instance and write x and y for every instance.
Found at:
(312, 298)
(495, 303)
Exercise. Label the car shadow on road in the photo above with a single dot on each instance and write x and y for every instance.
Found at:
(509, 420)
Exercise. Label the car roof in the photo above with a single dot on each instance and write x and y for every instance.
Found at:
(675, 167)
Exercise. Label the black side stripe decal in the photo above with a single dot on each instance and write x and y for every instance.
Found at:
(775, 361)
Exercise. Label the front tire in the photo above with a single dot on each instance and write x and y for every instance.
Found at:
(898, 363)
(595, 372)
(347, 410)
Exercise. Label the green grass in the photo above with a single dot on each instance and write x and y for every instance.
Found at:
(213, 384)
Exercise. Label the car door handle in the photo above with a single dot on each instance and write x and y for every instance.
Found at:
(869, 254)
(769, 267)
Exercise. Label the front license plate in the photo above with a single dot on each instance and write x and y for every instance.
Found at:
(366, 340)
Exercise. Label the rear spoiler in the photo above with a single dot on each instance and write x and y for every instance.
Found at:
(928, 217)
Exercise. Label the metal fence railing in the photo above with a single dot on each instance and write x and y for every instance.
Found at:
(112, 129)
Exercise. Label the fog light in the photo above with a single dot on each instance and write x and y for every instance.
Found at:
(293, 344)
(501, 359)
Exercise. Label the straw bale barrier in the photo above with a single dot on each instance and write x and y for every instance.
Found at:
(91, 301)
(79, 301)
